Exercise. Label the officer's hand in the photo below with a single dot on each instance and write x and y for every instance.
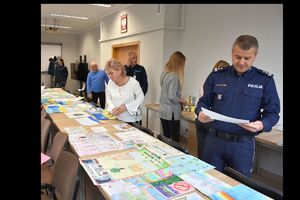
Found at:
(253, 126)
(90, 95)
(204, 118)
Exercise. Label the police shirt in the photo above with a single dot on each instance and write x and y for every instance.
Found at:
(139, 73)
(251, 96)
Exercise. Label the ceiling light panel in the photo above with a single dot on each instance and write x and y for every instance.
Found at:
(102, 5)
(55, 26)
(68, 16)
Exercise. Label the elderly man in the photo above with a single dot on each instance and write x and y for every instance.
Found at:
(96, 84)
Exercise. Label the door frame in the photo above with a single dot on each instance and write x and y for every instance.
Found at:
(126, 44)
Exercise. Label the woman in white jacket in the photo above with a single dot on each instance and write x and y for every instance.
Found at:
(124, 95)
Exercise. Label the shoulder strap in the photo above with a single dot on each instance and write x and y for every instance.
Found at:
(264, 72)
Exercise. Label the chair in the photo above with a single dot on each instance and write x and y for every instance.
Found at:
(65, 178)
(43, 114)
(47, 170)
(45, 126)
(144, 129)
(256, 185)
(172, 143)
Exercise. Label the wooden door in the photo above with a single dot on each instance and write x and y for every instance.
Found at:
(120, 51)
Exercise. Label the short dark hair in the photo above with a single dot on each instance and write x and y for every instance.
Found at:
(246, 42)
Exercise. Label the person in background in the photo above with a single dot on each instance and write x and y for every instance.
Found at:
(221, 64)
(171, 81)
(136, 71)
(51, 68)
(124, 95)
(61, 74)
(96, 80)
(240, 91)
(202, 128)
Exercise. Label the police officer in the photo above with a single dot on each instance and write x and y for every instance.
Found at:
(240, 91)
(136, 71)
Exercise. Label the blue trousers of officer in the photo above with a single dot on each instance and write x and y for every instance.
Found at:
(237, 155)
(202, 131)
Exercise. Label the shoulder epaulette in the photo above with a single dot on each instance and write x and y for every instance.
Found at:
(264, 72)
(220, 69)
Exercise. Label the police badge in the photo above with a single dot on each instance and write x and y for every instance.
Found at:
(219, 96)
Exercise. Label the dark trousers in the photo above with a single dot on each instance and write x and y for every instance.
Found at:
(202, 130)
(237, 155)
(171, 128)
(100, 96)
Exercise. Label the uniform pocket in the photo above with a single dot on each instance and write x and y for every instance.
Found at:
(252, 98)
(220, 96)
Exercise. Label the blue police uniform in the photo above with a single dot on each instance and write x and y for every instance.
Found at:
(139, 73)
(251, 96)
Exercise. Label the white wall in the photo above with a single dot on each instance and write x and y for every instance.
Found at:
(141, 18)
(211, 29)
(69, 53)
(88, 44)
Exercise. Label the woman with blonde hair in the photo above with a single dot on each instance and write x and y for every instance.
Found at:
(124, 95)
(221, 64)
(171, 81)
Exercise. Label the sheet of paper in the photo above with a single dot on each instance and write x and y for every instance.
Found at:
(217, 116)
(238, 192)
(98, 142)
(163, 149)
(127, 164)
(191, 196)
(185, 164)
(75, 130)
(204, 182)
(76, 114)
(44, 158)
(137, 136)
(159, 184)
(135, 188)
(99, 129)
(86, 121)
(124, 127)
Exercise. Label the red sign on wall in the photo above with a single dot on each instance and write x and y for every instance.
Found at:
(124, 23)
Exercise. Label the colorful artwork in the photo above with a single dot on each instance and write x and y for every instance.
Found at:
(205, 183)
(136, 162)
(159, 184)
(184, 164)
(238, 192)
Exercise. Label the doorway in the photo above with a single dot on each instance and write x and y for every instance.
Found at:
(120, 51)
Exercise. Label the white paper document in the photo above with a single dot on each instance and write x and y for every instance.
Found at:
(217, 116)
(86, 121)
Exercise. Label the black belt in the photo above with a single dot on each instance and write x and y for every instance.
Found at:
(228, 136)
